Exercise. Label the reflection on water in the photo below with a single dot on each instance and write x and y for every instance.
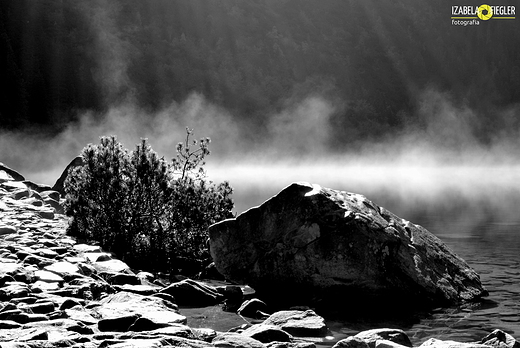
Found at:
(492, 249)
(482, 227)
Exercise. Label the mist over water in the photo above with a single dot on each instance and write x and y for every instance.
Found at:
(440, 167)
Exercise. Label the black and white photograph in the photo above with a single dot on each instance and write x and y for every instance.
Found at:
(259, 173)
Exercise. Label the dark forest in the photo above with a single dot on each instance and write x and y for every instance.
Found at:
(60, 58)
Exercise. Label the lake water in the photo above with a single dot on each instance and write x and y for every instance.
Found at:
(475, 211)
(491, 248)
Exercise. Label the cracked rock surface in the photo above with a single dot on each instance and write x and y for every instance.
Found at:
(310, 243)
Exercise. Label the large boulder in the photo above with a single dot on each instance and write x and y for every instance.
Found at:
(58, 186)
(313, 244)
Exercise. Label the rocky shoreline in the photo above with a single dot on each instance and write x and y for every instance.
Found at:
(56, 292)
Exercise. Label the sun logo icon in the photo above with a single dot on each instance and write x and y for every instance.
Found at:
(484, 12)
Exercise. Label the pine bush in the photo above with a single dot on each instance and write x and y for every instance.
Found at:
(149, 212)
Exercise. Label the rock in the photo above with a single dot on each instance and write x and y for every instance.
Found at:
(191, 293)
(150, 307)
(54, 195)
(145, 324)
(303, 344)
(339, 249)
(37, 187)
(86, 248)
(123, 278)
(211, 272)
(47, 253)
(5, 177)
(69, 303)
(114, 266)
(253, 308)
(7, 230)
(37, 260)
(62, 268)
(435, 343)
(267, 333)
(56, 205)
(388, 344)
(41, 308)
(46, 276)
(58, 186)
(500, 339)
(9, 324)
(233, 297)
(299, 323)
(145, 290)
(118, 323)
(351, 342)
(13, 173)
(44, 286)
(13, 290)
(81, 315)
(136, 343)
(35, 335)
(97, 256)
(205, 334)
(234, 340)
(393, 335)
(12, 186)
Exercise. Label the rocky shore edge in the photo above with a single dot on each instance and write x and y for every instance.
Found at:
(56, 292)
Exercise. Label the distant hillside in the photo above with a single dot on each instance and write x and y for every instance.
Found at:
(371, 57)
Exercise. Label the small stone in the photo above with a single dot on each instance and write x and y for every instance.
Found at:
(5, 177)
(97, 256)
(69, 303)
(120, 324)
(234, 340)
(145, 290)
(47, 253)
(394, 335)
(267, 333)
(51, 194)
(44, 286)
(299, 323)
(7, 230)
(37, 260)
(147, 276)
(252, 308)
(9, 324)
(388, 344)
(79, 314)
(13, 290)
(435, 343)
(85, 248)
(189, 292)
(47, 276)
(351, 342)
(111, 266)
(123, 278)
(145, 324)
(41, 308)
(204, 334)
(500, 339)
(62, 268)
(12, 173)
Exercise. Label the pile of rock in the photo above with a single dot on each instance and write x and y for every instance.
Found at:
(394, 338)
(55, 292)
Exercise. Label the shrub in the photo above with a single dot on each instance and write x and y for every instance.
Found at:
(151, 213)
